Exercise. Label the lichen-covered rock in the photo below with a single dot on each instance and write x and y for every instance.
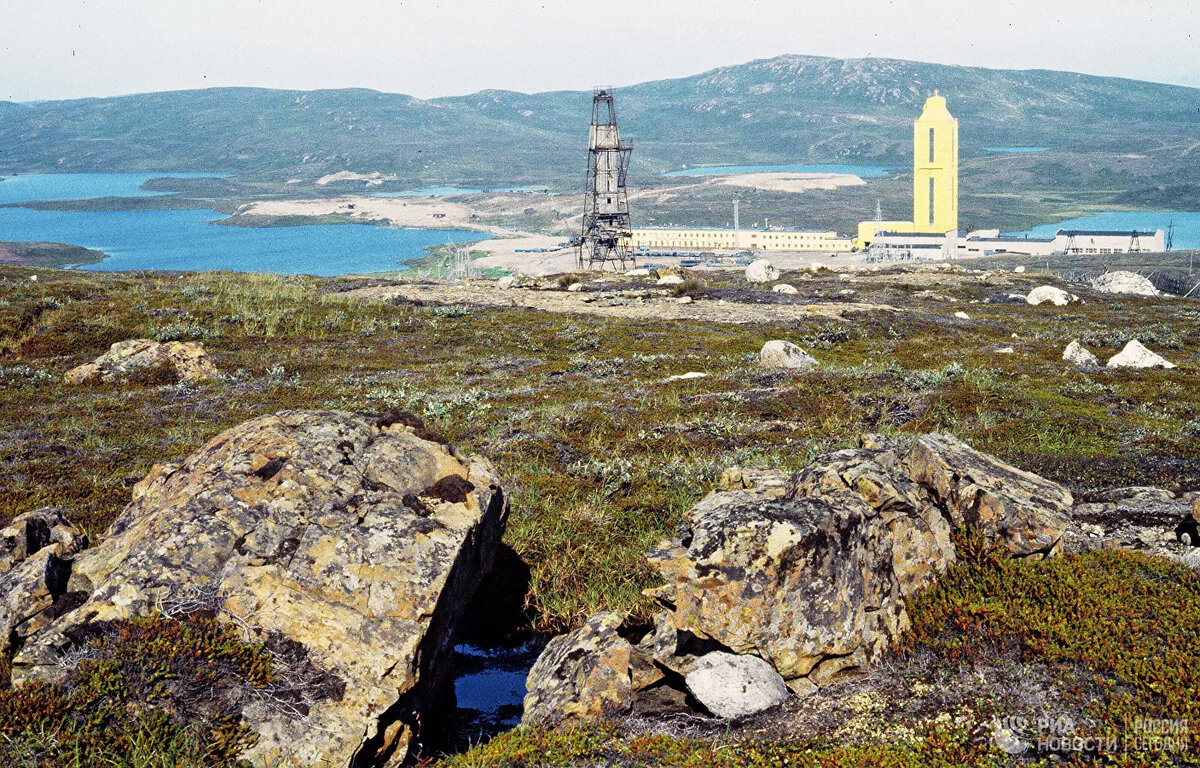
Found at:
(1025, 513)
(30, 532)
(812, 577)
(1076, 354)
(812, 572)
(356, 537)
(731, 686)
(36, 549)
(582, 675)
(189, 359)
(761, 271)
(1135, 355)
(785, 354)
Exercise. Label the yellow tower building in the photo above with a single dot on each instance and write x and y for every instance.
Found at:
(935, 168)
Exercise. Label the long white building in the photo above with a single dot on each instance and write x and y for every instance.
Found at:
(989, 242)
(710, 239)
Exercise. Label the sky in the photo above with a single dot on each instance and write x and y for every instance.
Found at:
(55, 49)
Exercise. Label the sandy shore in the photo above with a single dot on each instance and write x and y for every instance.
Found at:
(787, 182)
(534, 253)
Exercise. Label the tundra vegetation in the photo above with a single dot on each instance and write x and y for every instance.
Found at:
(602, 456)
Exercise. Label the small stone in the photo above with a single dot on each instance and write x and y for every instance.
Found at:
(684, 300)
(732, 686)
(670, 280)
(575, 287)
(1005, 351)
(1076, 354)
(1135, 355)
(686, 376)
(761, 271)
(508, 281)
(783, 288)
(639, 272)
(785, 354)
(962, 315)
(1019, 270)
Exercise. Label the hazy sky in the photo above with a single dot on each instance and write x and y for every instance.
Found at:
(52, 49)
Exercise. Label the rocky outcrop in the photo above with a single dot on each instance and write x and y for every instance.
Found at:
(761, 271)
(1048, 293)
(188, 359)
(731, 686)
(785, 354)
(360, 539)
(1024, 513)
(36, 550)
(584, 674)
(1126, 283)
(1135, 355)
(1077, 355)
(810, 573)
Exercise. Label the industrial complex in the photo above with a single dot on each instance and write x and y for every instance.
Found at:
(931, 233)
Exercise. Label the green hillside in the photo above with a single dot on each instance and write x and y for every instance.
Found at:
(1104, 133)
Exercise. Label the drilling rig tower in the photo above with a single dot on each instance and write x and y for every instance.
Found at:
(607, 228)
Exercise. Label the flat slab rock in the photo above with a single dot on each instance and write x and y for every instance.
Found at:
(188, 358)
(357, 537)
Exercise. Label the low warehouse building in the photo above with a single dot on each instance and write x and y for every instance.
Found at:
(706, 239)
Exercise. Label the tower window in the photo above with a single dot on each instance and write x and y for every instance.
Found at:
(931, 145)
(931, 197)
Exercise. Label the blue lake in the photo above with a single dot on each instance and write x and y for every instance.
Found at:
(83, 186)
(1015, 149)
(864, 171)
(1187, 225)
(187, 240)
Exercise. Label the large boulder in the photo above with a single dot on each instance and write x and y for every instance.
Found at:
(1048, 293)
(582, 675)
(1126, 283)
(731, 686)
(785, 354)
(1024, 513)
(358, 539)
(1135, 355)
(779, 581)
(810, 575)
(36, 550)
(761, 271)
(189, 360)
(813, 572)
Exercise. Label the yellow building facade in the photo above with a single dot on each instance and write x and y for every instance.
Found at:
(935, 168)
(868, 229)
(703, 239)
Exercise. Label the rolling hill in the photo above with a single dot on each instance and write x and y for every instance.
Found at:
(1127, 136)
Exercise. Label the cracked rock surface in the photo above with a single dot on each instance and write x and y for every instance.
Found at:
(811, 572)
(357, 537)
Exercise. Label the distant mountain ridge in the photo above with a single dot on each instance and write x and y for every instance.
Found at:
(784, 109)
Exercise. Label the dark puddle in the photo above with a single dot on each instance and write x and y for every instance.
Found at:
(489, 684)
